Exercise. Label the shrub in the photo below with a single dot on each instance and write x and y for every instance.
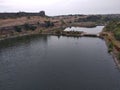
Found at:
(58, 32)
(29, 27)
(49, 24)
(28, 17)
(110, 47)
(26, 26)
(117, 35)
(18, 29)
(62, 22)
(33, 28)
(40, 31)
(110, 50)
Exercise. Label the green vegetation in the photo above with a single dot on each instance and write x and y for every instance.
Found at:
(40, 31)
(24, 27)
(114, 27)
(29, 27)
(110, 47)
(48, 24)
(117, 35)
(113, 36)
(58, 32)
(99, 19)
(18, 29)
(62, 22)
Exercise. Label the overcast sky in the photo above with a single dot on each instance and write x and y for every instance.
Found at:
(62, 7)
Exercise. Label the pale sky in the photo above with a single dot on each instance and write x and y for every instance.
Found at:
(62, 7)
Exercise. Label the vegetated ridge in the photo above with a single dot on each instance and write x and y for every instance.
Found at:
(111, 34)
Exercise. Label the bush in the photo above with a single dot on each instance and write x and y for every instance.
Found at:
(62, 22)
(49, 24)
(33, 28)
(114, 27)
(110, 50)
(58, 32)
(26, 26)
(29, 27)
(117, 35)
(110, 47)
(28, 17)
(18, 29)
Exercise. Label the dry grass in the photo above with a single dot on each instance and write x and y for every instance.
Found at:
(20, 21)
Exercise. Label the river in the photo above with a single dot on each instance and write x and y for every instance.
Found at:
(46, 62)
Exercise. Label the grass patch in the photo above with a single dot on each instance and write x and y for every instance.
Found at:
(110, 47)
(114, 27)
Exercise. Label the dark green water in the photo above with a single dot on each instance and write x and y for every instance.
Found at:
(57, 63)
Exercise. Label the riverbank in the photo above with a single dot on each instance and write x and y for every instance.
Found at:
(113, 46)
(21, 30)
(43, 31)
(55, 31)
(111, 34)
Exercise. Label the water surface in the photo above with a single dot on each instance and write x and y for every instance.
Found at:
(57, 63)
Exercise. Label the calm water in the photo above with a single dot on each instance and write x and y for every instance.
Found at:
(57, 63)
(94, 30)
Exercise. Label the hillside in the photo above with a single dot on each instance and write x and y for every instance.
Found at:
(23, 23)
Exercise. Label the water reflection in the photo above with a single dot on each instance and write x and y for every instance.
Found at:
(57, 63)
(22, 40)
